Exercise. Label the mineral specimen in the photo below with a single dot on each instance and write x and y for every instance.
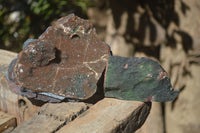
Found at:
(139, 79)
(67, 60)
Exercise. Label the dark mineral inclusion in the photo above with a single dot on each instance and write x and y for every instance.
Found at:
(67, 60)
(139, 79)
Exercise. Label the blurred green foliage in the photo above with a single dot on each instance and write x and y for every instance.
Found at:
(23, 19)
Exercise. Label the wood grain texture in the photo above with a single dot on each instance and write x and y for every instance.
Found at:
(110, 116)
(51, 117)
(7, 122)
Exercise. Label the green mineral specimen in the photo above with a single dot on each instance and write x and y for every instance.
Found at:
(140, 79)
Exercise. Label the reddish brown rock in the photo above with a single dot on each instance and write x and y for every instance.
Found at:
(66, 61)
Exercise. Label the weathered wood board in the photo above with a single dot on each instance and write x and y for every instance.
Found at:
(51, 117)
(154, 122)
(110, 116)
(107, 116)
(7, 122)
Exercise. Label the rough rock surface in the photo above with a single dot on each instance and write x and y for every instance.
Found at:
(140, 79)
(67, 60)
(110, 116)
(51, 117)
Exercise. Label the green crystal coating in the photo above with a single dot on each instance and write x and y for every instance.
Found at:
(140, 79)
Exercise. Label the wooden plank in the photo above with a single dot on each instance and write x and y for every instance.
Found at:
(7, 122)
(154, 122)
(51, 117)
(6, 56)
(110, 116)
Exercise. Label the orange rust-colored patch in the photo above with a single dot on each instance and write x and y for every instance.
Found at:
(163, 75)
(125, 66)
